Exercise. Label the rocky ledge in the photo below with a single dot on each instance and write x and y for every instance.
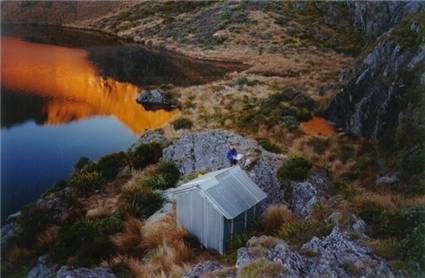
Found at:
(156, 99)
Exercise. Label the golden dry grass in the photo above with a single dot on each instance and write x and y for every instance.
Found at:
(275, 216)
(389, 201)
(160, 243)
(47, 236)
(19, 256)
(131, 239)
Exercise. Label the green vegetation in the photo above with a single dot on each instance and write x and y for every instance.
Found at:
(268, 145)
(413, 246)
(319, 145)
(168, 173)
(294, 169)
(86, 241)
(81, 163)
(139, 200)
(243, 80)
(298, 232)
(110, 165)
(145, 154)
(286, 108)
(261, 268)
(182, 123)
(86, 183)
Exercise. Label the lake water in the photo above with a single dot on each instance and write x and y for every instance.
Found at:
(67, 94)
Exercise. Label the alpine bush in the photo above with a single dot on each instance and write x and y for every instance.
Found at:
(110, 165)
(294, 169)
(182, 123)
(139, 200)
(146, 154)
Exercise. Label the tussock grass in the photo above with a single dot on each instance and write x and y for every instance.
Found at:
(388, 201)
(131, 239)
(153, 249)
(275, 216)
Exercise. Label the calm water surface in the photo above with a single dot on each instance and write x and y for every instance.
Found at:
(67, 94)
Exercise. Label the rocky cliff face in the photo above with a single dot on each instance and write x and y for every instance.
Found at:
(375, 97)
(370, 18)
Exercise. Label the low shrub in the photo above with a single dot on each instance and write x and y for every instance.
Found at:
(130, 240)
(86, 182)
(139, 200)
(182, 123)
(169, 171)
(269, 146)
(145, 154)
(86, 240)
(56, 187)
(33, 221)
(413, 162)
(290, 122)
(275, 216)
(261, 268)
(294, 169)
(298, 232)
(81, 163)
(387, 248)
(304, 101)
(319, 145)
(243, 80)
(110, 165)
(413, 248)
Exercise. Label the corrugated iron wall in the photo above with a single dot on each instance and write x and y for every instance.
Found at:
(198, 216)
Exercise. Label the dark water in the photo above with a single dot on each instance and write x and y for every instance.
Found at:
(67, 94)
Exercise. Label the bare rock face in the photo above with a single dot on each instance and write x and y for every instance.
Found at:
(151, 136)
(41, 269)
(370, 18)
(201, 269)
(374, 100)
(98, 272)
(335, 255)
(303, 196)
(206, 151)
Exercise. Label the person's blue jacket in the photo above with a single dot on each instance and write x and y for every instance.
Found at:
(231, 155)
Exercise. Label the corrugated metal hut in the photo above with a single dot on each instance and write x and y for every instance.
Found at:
(218, 205)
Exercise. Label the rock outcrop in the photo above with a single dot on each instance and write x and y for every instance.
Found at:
(202, 269)
(41, 269)
(335, 255)
(303, 196)
(374, 100)
(151, 135)
(156, 99)
(370, 18)
(206, 151)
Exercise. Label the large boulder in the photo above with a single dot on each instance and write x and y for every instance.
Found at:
(156, 99)
(206, 151)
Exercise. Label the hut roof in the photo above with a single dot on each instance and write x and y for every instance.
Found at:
(229, 190)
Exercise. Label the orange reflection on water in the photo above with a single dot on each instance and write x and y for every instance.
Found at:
(318, 126)
(73, 86)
